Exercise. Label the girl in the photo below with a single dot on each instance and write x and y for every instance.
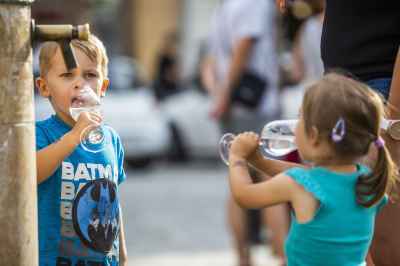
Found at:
(335, 200)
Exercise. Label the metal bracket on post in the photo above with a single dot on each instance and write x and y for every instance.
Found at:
(17, 2)
(62, 34)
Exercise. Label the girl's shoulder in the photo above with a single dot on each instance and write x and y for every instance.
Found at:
(305, 180)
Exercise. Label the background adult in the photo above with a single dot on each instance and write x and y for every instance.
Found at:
(242, 43)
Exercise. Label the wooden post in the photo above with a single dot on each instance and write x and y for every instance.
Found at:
(18, 212)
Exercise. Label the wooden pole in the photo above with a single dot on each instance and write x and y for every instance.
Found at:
(18, 212)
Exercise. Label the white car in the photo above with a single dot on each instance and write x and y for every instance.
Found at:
(188, 112)
(144, 130)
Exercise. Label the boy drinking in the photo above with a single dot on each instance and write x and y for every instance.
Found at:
(78, 208)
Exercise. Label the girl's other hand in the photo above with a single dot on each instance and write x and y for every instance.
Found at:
(244, 145)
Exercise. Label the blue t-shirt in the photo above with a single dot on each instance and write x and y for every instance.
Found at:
(341, 230)
(78, 205)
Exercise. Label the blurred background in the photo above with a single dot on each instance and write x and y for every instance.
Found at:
(176, 188)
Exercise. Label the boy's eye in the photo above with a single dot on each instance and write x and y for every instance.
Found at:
(66, 75)
(92, 75)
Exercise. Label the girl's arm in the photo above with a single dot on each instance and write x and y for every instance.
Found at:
(271, 167)
(276, 190)
(123, 254)
(248, 195)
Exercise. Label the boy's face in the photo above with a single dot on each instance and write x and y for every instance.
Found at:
(62, 86)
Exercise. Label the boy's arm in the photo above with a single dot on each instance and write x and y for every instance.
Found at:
(123, 254)
(50, 157)
(271, 167)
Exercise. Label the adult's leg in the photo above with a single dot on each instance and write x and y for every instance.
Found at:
(386, 242)
(384, 250)
(276, 219)
(235, 122)
(237, 221)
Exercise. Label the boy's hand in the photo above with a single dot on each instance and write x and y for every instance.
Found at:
(244, 145)
(85, 120)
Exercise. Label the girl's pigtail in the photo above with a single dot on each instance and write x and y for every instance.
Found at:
(371, 188)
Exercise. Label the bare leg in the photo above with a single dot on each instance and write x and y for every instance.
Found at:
(276, 219)
(237, 221)
(386, 242)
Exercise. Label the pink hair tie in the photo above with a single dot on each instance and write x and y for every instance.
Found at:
(379, 142)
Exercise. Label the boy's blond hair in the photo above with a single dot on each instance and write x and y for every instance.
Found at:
(93, 48)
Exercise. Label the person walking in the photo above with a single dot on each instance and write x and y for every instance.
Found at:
(241, 75)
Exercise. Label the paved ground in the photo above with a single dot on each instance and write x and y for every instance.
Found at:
(174, 215)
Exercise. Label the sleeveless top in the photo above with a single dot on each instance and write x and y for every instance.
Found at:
(341, 230)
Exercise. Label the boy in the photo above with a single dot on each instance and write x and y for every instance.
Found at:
(79, 215)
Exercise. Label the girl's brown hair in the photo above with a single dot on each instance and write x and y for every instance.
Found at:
(337, 97)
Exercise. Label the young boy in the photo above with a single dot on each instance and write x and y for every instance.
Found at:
(79, 215)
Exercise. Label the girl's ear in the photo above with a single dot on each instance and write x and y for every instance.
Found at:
(314, 136)
(42, 87)
(104, 87)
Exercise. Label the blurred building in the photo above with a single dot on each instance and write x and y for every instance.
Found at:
(135, 27)
(149, 20)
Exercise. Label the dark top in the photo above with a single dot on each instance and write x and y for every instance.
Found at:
(361, 36)
(163, 85)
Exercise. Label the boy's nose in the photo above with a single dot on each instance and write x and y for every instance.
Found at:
(79, 83)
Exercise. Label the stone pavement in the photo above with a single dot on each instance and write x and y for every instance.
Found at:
(210, 258)
(175, 216)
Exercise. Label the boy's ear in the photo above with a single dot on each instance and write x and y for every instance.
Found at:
(104, 87)
(42, 87)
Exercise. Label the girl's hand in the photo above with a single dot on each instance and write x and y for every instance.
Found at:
(244, 145)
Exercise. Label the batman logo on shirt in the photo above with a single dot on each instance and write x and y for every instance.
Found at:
(95, 214)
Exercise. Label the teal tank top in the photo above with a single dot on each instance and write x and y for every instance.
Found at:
(341, 231)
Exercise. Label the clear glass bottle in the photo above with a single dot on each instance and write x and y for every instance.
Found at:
(276, 140)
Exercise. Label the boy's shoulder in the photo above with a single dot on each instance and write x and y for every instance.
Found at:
(53, 123)
(51, 128)
(44, 123)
